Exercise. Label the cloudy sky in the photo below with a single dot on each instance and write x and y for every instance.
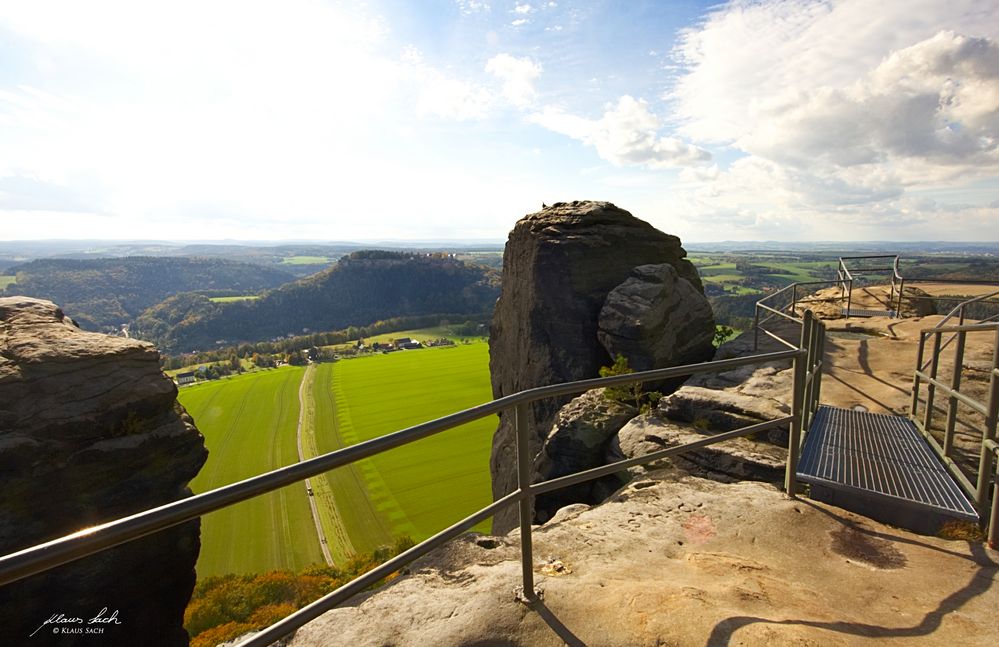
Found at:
(392, 119)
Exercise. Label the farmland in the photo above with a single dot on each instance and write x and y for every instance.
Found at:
(249, 423)
(248, 297)
(7, 279)
(421, 488)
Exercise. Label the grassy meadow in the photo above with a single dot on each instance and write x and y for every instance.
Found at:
(6, 279)
(250, 423)
(306, 260)
(421, 488)
(248, 297)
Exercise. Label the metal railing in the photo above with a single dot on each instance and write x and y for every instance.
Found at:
(978, 490)
(845, 273)
(783, 305)
(959, 311)
(807, 370)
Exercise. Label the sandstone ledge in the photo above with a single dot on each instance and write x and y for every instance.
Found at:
(689, 562)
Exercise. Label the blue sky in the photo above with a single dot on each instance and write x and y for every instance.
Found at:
(305, 119)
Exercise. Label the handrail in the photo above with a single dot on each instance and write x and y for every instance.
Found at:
(979, 491)
(958, 311)
(65, 549)
(42, 557)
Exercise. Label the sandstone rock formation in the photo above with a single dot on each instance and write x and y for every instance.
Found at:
(655, 319)
(90, 430)
(687, 563)
(558, 268)
(578, 441)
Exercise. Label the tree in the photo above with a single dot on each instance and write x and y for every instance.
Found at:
(628, 393)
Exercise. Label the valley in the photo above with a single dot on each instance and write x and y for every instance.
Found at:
(250, 423)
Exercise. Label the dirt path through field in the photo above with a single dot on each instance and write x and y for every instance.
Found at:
(317, 488)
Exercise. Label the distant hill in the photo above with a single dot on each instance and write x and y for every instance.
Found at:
(360, 289)
(104, 293)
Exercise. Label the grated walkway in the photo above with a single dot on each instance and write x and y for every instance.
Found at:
(860, 312)
(880, 465)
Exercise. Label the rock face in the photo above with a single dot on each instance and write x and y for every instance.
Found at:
(687, 563)
(90, 430)
(578, 441)
(558, 268)
(655, 319)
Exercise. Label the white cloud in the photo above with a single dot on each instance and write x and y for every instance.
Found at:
(626, 135)
(836, 107)
(519, 22)
(523, 9)
(518, 76)
(468, 7)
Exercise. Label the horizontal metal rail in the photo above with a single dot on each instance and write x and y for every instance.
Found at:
(777, 337)
(945, 388)
(613, 468)
(780, 314)
(335, 598)
(85, 542)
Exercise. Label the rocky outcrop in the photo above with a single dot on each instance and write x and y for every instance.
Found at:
(558, 268)
(737, 459)
(578, 441)
(655, 319)
(687, 563)
(90, 431)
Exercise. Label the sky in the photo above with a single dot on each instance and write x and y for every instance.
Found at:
(796, 120)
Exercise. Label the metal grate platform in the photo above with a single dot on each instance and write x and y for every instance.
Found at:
(855, 312)
(881, 466)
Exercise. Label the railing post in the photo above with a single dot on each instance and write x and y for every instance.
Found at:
(989, 433)
(955, 384)
(930, 387)
(794, 299)
(799, 365)
(914, 408)
(526, 507)
(756, 328)
(849, 299)
(808, 343)
(994, 517)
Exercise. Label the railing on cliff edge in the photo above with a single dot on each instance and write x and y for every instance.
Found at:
(807, 370)
(988, 462)
(928, 372)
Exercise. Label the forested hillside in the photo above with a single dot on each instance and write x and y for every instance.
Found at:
(360, 289)
(103, 293)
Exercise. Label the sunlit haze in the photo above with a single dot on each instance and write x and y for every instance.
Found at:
(787, 120)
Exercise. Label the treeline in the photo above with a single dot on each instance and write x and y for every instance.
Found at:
(227, 606)
(362, 288)
(104, 293)
(261, 353)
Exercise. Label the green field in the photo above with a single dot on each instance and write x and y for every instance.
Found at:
(6, 280)
(305, 260)
(249, 425)
(248, 297)
(423, 487)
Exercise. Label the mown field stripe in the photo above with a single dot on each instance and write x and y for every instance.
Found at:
(250, 425)
(429, 484)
